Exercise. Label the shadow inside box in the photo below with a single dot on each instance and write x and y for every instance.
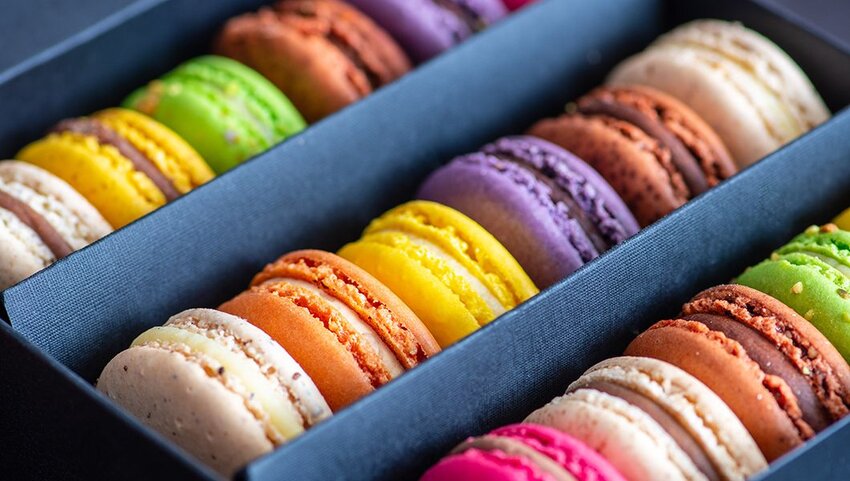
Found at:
(312, 192)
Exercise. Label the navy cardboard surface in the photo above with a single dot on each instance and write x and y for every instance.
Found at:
(321, 188)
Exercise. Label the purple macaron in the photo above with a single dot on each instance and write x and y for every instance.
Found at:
(424, 28)
(551, 210)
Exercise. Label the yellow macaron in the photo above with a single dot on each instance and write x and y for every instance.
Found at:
(125, 163)
(451, 272)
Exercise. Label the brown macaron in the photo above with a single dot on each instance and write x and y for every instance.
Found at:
(779, 375)
(348, 331)
(323, 54)
(655, 151)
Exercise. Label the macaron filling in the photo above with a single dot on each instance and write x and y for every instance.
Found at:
(391, 364)
(683, 438)
(231, 365)
(108, 137)
(648, 117)
(45, 231)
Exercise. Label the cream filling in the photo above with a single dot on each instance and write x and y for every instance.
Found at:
(843, 269)
(364, 330)
(66, 222)
(26, 236)
(283, 420)
(436, 251)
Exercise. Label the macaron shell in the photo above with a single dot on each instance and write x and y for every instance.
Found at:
(388, 315)
(626, 157)
(819, 300)
(442, 311)
(205, 101)
(176, 397)
(843, 220)
(300, 52)
(475, 464)
(623, 434)
(98, 172)
(424, 28)
(722, 365)
(183, 166)
(328, 363)
(582, 462)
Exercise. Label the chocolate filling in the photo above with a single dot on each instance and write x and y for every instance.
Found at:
(51, 238)
(107, 136)
(559, 195)
(465, 13)
(515, 448)
(772, 361)
(344, 46)
(687, 165)
(684, 439)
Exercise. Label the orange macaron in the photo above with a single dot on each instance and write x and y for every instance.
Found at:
(348, 331)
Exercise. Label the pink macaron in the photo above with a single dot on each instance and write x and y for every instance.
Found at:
(523, 452)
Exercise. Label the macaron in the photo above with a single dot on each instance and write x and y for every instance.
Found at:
(780, 376)
(350, 332)
(42, 219)
(217, 386)
(223, 109)
(513, 5)
(551, 210)
(123, 162)
(451, 272)
(653, 150)
(425, 28)
(811, 274)
(842, 221)
(323, 54)
(751, 92)
(523, 452)
(651, 421)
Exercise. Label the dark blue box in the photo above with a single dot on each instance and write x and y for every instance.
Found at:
(320, 189)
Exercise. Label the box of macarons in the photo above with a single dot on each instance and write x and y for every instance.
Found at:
(442, 240)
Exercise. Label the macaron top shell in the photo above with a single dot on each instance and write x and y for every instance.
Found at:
(425, 28)
(451, 272)
(223, 109)
(523, 452)
(547, 207)
(780, 376)
(217, 386)
(347, 330)
(740, 83)
(323, 54)
(42, 219)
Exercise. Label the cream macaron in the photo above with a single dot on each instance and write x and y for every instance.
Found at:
(742, 84)
(653, 421)
(216, 385)
(42, 219)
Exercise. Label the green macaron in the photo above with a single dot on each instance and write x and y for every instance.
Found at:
(225, 110)
(811, 274)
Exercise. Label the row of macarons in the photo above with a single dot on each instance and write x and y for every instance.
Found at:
(744, 374)
(211, 113)
(316, 331)
(744, 96)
